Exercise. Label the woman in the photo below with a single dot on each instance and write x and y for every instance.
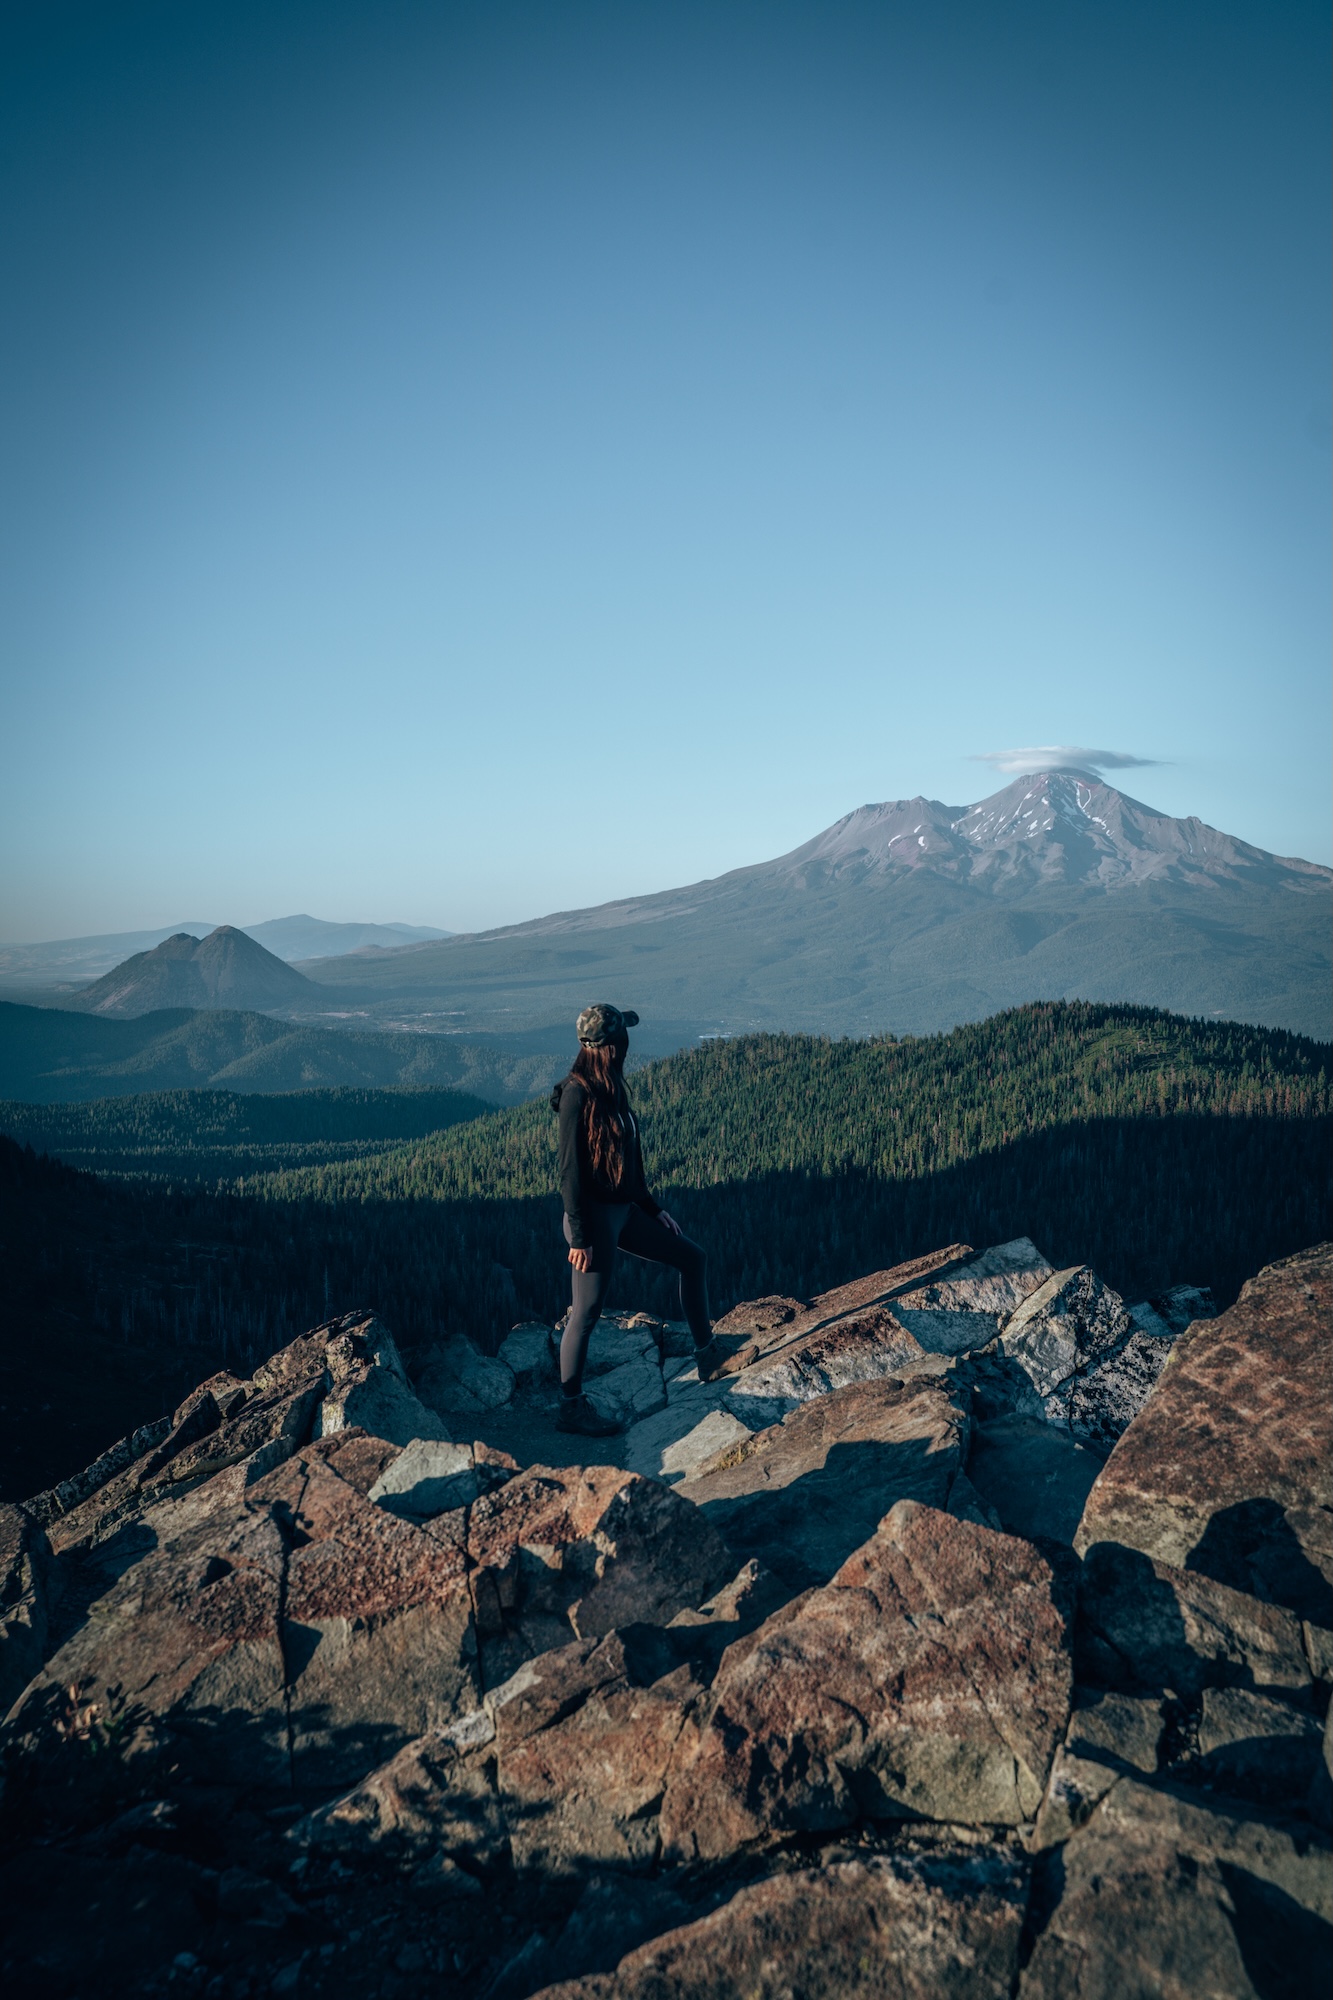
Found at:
(608, 1207)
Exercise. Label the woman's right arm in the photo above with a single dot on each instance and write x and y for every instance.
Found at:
(571, 1186)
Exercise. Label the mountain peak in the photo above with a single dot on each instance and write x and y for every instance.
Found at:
(1061, 826)
(225, 969)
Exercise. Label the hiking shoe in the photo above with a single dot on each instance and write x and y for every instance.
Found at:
(577, 1414)
(724, 1358)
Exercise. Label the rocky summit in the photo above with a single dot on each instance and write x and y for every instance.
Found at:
(971, 1635)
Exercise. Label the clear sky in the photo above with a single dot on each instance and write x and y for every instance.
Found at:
(460, 461)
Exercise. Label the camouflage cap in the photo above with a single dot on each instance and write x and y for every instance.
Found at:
(602, 1023)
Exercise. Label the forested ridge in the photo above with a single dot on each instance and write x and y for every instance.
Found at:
(887, 1108)
(1158, 1149)
(222, 1135)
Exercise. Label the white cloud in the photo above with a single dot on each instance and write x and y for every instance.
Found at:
(1051, 756)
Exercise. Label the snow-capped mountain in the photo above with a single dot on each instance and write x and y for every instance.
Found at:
(1061, 826)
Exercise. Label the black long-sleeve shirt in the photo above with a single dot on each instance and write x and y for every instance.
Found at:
(579, 1182)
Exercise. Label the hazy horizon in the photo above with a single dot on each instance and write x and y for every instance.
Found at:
(435, 429)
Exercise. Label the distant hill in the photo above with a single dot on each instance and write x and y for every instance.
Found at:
(225, 969)
(912, 917)
(63, 962)
(56, 1055)
(295, 938)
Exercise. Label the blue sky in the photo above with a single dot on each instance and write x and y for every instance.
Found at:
(464, 461)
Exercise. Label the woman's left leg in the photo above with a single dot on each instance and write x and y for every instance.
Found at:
(642, 1236)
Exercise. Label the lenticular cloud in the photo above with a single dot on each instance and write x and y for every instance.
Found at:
(1044, 756)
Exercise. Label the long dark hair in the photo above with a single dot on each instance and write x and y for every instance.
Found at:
(606, 1110)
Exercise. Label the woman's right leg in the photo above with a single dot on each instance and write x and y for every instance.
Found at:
(602, 1227)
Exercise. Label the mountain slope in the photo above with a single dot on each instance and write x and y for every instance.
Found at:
(910, 918)
(295, 938)
(225, 969)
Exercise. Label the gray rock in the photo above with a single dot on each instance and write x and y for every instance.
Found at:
(1257, 1748)
(1148, 1624)
(1160, 1896)
(429, 1477)
(1035, 1477)
(914, 1929)
(673, 1443)
(376, 1400)
(802, 1495)
(868, 1346)
(1108, 1736)
(457, 1380)
(630, 1392)
(1068, 1325)
(1100, 1403)
(528, 1353)
(1122, 1730)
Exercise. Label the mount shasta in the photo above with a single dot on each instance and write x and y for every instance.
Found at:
(908, 917)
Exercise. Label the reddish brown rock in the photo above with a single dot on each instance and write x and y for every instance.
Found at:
(931, 1677)
(1228, 1470)
(188, 1641)
(300, 1635)
(888, 1928)
(584, 1743)
(437, 1795)
(803, 1494)
(377, 1625)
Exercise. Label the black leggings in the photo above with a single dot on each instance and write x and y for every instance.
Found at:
(607, 1229)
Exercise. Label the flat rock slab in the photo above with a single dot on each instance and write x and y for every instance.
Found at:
(930, 1678)
(1036, 1478)
(995, 1284)
(774, 1329)
(1228, 1469)
(910, 1929)
(1145, 1624)
(803, 1494)
(861, 1347)
(1159, 1895)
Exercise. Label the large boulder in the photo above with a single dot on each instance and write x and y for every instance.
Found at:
(1228, 1469)
(585, 1740)
(803, 1494)
(1158, 1894)
(1091, 1368)
(913, 1928)
(929, 1679)
(299, 1636)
